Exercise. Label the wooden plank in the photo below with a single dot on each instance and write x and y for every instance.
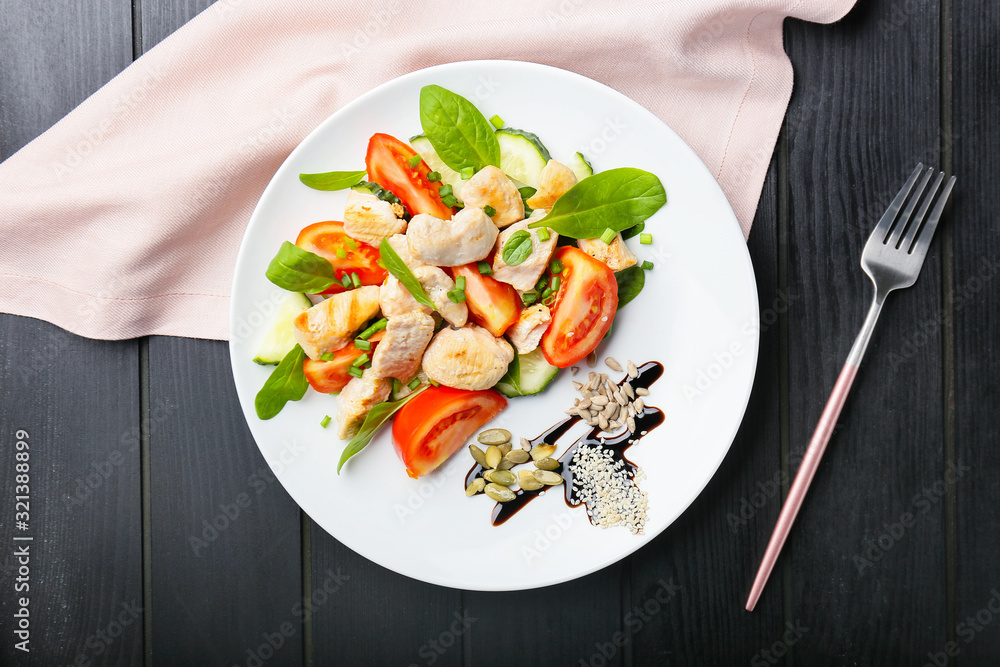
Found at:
(78, 402)
(714, 549)
(867, 557)
(226, 541)
(162, 17)
(976, 317)
(364, 614)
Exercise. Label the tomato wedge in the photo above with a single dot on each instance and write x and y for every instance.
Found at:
(327, 238)
(584, 308)
(386, 162)
(436, 424)
(329, 377)
(493, 305)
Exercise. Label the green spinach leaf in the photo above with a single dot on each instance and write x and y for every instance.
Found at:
(460, 134)
(333, 180)
(298, 270)
(517, 248)
(395, 265)
(374, 420)
(630, 283)
(286, 383)
(615, 199)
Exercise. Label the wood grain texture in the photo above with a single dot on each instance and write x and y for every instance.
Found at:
(226, 543)
(976, 316)
(160, 18)
(78, 400)
(867, 559)
(714, 549)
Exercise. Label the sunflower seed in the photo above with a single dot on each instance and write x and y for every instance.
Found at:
(527, 481)
(615, 425)
(642, 391)
(638, 404)
(547, 477)
(612, 363)
(494, 436)
(493, 456)
(479, 455)
(627, 390)
(603, 421)
(573, 370)
(599, 400)
(525, 444)
(631, 410)
(577, 385)
(630, 422)
(547, 464)
(572, 411)
(501, 494)
(584, 404)
(633, 372)
(501, 477)
(620, 397)
(591, 359)
(517, 456)
(476, 487)
(542, 451)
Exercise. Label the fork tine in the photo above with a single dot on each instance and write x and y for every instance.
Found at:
(923, 235)
(918, 219)
(884, 225)
(899, 230)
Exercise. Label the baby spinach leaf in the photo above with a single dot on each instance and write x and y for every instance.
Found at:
(615, 199)
(287, 382)
(630, 283)
(333, 180)
(395, 265)
(460, 134)
(374, 420)
(517, 248)
(298, 270)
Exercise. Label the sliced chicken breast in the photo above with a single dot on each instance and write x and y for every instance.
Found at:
(395, 299)
(332, 323)
(369, 219)
(615, 254)
(399, 352)
(402, 248)
(523, 276)
(490, 187)
(527, 332)
(358, 397)
(467, 237)
(555, 179)
(467, 358)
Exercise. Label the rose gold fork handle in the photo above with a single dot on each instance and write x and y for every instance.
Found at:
(804, 477)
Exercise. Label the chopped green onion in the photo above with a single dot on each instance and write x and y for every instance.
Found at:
(457, 295)
(434, 383)
(646, 265)
(396, 386)
(413, 162)
(608, 236)
(362, 344)
(444, 190)
(326, 357)
(645, 239)
(460, 283)
(373, 329)
(547, 293)
(345, 280)
(414, 383)
(355, 371)
(543, 234)
(449, 200)
(555, 266)
(380, 263)
(497, 121)
(529, 298)
(351, 244)
(485, 269)
(542, 283)
(325, 422)
(355, 279)
(489, 210)
(341, 253)
(467, 173)
(361, 360)
(549, 300)
(433, 176)
(555, 284)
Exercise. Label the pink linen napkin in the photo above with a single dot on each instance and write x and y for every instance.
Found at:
(124, 219)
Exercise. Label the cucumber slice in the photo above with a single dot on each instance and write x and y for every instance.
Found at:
(449, 176)
(528, 374)
(279, 341)
(522, 155)
(579, 165)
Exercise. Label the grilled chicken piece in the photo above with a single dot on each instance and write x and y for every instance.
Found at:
(398, 353)
(467, 358)
(490, 187)
(369, 219)
(555, 179)
(615, 254)
(331, 324)
(523, 276)
(395, 299)
(467, 237)
(358, 397)
(527, 332)
(402, 248)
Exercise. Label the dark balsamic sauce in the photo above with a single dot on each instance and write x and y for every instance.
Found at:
(645, 422)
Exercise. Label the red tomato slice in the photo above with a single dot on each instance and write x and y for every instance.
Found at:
(326, 238)
(387, 165)
(329, 377)
(493, 305)
(436, 424)
(584, 308)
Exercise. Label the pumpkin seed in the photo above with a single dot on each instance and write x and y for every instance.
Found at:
(505, 464)
(494, 436)
(477, 486)
(546, 477)
(501, 494)
(501, 477)
(493, 456)
(542, 451)
(479, 455)
(504, 448)
(547, 464)
(527, 481)
(517, 456)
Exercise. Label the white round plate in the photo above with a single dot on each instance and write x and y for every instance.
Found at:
(697, 316)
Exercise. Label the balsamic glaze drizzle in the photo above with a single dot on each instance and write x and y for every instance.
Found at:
(645, 422)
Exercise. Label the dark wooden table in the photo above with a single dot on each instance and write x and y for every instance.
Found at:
(137, 446)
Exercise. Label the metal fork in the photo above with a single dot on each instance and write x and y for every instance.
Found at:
(892, 258)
